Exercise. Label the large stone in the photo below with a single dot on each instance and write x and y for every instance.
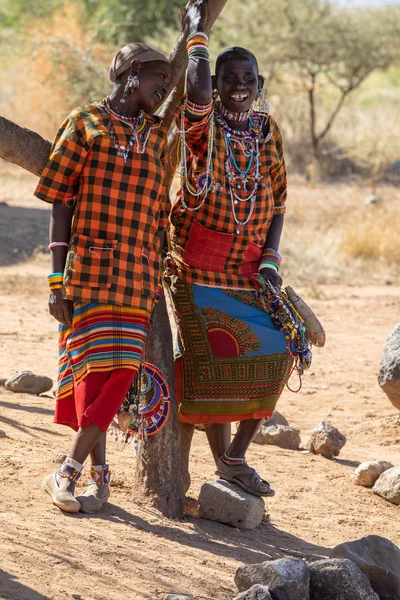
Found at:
(389, 372)
(368, 472)
(325, 439)
(286, 578)
(28, 383)
(256, 592)
(336, 578)
(228, 503)
(388, 485)
(283, 436)
(276, 419)
(378, 559)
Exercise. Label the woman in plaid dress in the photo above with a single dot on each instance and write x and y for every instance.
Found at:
(225, 226)
(104, 178)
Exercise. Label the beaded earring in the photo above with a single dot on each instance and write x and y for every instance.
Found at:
(132, 82)
(262, 102)
(215, 96)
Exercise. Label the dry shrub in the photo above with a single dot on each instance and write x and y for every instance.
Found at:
(374, 235)
(54, 67)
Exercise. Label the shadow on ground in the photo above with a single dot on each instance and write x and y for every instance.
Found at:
(13, 589)
(23, 232)
(267, 542)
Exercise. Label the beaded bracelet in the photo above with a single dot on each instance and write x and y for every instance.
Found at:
(197, 45)
(198, 110)
(55, 281)
(55, 244)
(270, 258)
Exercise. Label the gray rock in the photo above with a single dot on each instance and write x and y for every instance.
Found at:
(276, 419)
(368, 472)
(178, 597)
(339, 579)
(389, 372)
(378, 559)
(325, 439)
(388, 485)
(283, 436)
(228, 503)
(256, 592)
(286, 578)
(29, 383)
(2, 434)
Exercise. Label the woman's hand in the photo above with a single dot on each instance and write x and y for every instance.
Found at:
(194, 16)
(59, 308)
(272, 276)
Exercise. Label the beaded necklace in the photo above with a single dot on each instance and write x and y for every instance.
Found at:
(205, 181)
(234, 116)
(139, 135)
(239, 179)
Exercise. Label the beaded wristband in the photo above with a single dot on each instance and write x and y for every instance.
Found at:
(197, 45)
(268, 265)
(55, 281)
(199, 110)
(55, 244)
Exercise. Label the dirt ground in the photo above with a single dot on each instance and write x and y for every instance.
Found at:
(130, 551)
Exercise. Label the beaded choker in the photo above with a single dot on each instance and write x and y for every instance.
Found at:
(234, 116)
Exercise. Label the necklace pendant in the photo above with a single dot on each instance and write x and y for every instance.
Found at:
(115, 145)
(236, 202)
(238, 230)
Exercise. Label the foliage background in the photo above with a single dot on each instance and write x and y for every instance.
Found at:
(56, 56)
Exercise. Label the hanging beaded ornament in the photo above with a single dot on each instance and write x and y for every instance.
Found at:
(136, 422)
(286, 318)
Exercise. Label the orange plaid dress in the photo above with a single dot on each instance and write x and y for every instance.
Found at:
(114, 250)
(204, 245)
(112, 267)
(233, 362)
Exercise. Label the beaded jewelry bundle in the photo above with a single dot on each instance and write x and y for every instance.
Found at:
(286, 318)
(136, 422)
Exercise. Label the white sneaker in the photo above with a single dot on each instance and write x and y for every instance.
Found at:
(61, 493)
(93, 498)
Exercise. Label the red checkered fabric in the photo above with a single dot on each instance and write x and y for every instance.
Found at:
(113, 256)
(205, 246)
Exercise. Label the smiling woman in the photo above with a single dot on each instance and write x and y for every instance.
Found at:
(224, 227)
(104, 177)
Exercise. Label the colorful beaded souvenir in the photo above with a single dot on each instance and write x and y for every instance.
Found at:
(149, 419)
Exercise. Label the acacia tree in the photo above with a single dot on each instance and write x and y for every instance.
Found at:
(315, 48)
(157, 473)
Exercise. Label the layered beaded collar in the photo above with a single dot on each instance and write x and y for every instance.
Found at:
(234, 116)
(133, 121)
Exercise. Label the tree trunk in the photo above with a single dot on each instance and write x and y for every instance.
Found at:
(158, 466)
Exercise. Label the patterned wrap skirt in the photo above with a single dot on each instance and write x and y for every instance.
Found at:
(232, 362)
(99, 357)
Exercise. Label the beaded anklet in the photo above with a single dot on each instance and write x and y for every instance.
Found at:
(100, 474)
(69, 471)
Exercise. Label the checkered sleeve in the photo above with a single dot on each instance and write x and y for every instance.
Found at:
(278, 171)
(60, 178)
(165, 202)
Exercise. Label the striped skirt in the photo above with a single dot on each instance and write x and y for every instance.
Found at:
(103, 338)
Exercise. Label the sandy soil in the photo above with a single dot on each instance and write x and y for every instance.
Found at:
(129, 551)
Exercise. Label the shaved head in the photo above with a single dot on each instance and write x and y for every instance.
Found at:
(235, 53)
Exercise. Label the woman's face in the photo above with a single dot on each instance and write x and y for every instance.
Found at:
(154, 77)
(237, 83)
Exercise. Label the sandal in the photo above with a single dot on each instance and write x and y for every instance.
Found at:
(244, 476)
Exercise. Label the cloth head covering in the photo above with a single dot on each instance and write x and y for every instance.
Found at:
(136, 51)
